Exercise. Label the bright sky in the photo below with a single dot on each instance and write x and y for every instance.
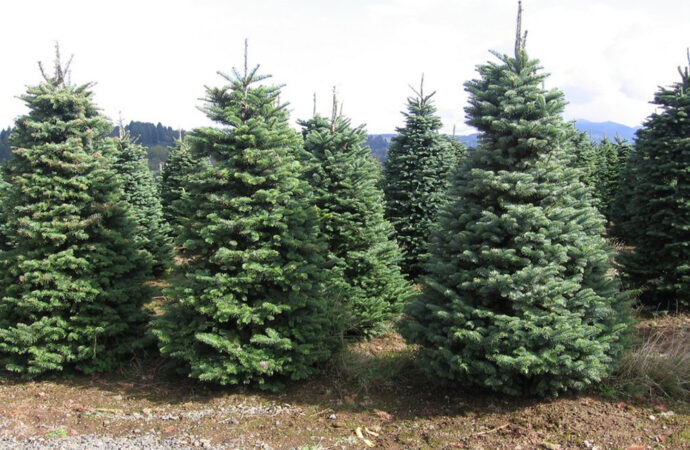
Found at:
(152, 58)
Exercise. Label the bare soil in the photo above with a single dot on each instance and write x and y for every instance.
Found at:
(373, 397)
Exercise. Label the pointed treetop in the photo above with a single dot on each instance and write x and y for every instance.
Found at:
(520, 39)
(334, 112)
(246, 51)
(121, 124)
(61, 75)
(314, 110)
(685, 72)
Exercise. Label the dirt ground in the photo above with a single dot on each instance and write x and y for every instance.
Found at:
(344, 408)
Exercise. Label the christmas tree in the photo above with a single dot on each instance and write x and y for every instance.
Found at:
(655, 216)
(179, 164)
(520, 296)
(250, 307)
(70, 275)
(415, 178)
(141, 196)
(345, 178)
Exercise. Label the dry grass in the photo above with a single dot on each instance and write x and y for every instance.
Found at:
(659, 364)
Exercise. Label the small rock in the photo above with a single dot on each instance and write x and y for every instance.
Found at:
(332, 417)
(652, 417)
(147, 412)
(667, 414)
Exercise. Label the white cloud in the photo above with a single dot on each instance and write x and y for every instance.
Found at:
(151, 59)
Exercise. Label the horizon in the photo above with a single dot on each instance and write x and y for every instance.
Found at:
(370, 50)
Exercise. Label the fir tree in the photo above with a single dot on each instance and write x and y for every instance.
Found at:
(141, 196)
(520, 298)
(656, 214)
(251, 306)
(608, 177)
(71, 290)
(415, 178)
(180, 163)
(345, 178)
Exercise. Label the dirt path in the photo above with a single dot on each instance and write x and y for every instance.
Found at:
(145, 409)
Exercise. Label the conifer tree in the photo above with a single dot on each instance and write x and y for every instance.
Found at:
(608, 177)
(657, 210)
(519, 298)
(345, 178)
(71, 290)
(415, 178)
(180, 163)
(141, 195)
(251, 306)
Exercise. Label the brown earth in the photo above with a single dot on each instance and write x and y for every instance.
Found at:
(373, 396)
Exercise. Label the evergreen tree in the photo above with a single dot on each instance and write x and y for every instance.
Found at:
(588, 160)
(415, 178)
(71, 291)
(141, 196)
(608, 177)
(345, 178)
(656, 214)
(520, 297)
(251, 306)
(180, 163)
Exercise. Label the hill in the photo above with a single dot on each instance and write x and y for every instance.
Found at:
(157, 138)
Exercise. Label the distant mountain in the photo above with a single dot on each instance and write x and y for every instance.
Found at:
(600, 130)
(596, 131)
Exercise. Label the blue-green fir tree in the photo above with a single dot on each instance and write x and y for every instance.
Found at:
(654, 206)
(179, 164)
(415, 178)
(151, 232)
(249, 306)
(71, 276)
(345, 178)
(520, 298)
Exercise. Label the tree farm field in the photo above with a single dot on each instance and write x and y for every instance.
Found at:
(371, 396)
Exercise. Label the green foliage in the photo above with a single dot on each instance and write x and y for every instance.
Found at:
(251, 306)
(180, 163)
(654, 210)
(345, 178)
(415, 178)
(141, 196)
(601, 165)
(520, 298)
(71, 291)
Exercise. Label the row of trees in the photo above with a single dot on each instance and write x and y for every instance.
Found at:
(286, 244)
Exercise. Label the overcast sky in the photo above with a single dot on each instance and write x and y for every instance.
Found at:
(151, 59)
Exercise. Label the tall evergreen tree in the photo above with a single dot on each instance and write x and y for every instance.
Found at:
(657, 210)
(251, 306)
(345, 178)
(71, 290)
(415, 178)
(180, 163)
(520, 296)
(141, 196)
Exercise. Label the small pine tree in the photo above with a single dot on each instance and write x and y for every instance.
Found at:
(141, 196)
(415, 178)
(345, 178)
(520, 297)
(70, 277)
(179, 164)
(251, 306)
(655, 215)
(608, 177)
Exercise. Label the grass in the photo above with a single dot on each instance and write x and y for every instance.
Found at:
(659, 364)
